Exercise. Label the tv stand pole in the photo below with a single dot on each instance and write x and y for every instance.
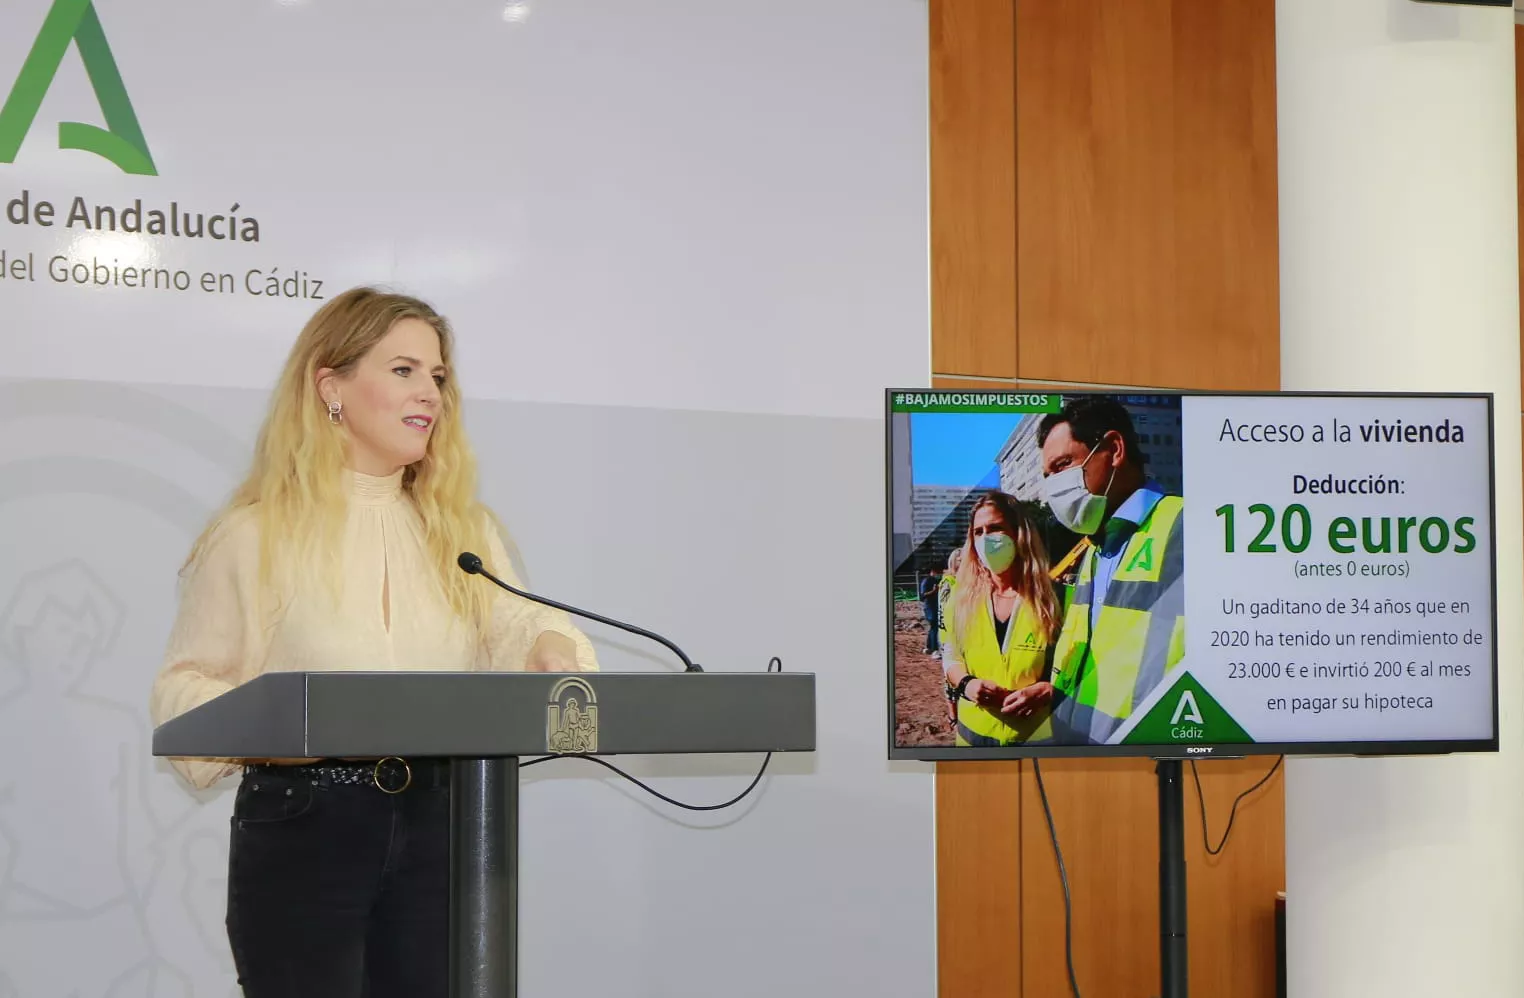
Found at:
(1173, 967)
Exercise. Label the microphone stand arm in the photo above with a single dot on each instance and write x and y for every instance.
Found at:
(688, 664)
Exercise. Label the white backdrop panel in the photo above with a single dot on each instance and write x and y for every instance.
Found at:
(728, 198)
(643, 209)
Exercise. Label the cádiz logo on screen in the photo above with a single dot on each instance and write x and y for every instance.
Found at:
(1187, 710)
(121, 141)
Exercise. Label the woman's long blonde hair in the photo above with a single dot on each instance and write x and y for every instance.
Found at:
(295, 486)
(1029, 572)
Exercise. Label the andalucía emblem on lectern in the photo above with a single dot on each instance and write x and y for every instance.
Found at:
(571, 718)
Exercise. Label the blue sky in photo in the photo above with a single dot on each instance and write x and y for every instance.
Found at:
(955, 448)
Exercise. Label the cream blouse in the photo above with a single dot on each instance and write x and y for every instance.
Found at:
(392, 615)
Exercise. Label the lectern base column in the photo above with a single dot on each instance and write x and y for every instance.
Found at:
(484, 878)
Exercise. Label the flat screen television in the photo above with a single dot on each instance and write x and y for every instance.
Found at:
(1189, 574)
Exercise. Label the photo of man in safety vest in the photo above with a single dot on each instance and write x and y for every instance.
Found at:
(1123, 625)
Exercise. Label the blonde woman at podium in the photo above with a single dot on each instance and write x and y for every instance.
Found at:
(1003, 619)
(339, 552)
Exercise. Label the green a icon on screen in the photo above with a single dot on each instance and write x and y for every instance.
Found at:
(1187, 714)
(121, 141)
(1187, 710)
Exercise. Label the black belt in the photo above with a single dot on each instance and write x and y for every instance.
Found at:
(390, 775)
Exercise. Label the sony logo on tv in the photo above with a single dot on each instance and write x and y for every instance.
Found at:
(1198, 750)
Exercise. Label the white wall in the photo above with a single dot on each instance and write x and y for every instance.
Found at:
(684, 244)
(1399, 271)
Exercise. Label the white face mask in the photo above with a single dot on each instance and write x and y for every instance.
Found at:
(996, 551)
(1075, 506)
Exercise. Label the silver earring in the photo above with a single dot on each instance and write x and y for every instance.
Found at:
(335, 411)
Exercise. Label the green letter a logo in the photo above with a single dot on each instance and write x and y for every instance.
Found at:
(1187, 713)
(121, 141)
(1187, 709)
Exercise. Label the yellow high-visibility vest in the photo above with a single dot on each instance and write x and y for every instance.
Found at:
(1139, 632)
(1021, 662)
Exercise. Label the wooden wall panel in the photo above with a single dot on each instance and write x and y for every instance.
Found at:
(1234, 893)
(1106, 814)
(979, 888)
(1146, 198)
(979, 861)
(973, 188)
(1146, 255)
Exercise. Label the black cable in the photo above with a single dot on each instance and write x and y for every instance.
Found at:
(1233, 812)
(657, 793)
(1063, 878)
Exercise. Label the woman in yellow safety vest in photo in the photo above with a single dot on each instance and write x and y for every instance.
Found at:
(1003, 620)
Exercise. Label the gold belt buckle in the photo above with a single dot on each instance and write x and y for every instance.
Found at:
(375, 774)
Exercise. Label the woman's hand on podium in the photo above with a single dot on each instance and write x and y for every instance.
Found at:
(552, 652)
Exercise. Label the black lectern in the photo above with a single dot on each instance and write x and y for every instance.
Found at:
(483, 722)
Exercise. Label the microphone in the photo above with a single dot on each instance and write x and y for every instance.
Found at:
(472, 565)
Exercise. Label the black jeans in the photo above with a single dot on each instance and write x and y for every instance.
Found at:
(338, 890)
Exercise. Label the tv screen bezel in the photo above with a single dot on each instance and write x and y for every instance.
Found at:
(1185, 751)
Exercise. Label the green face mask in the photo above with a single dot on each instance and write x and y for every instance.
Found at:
(996, 551)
